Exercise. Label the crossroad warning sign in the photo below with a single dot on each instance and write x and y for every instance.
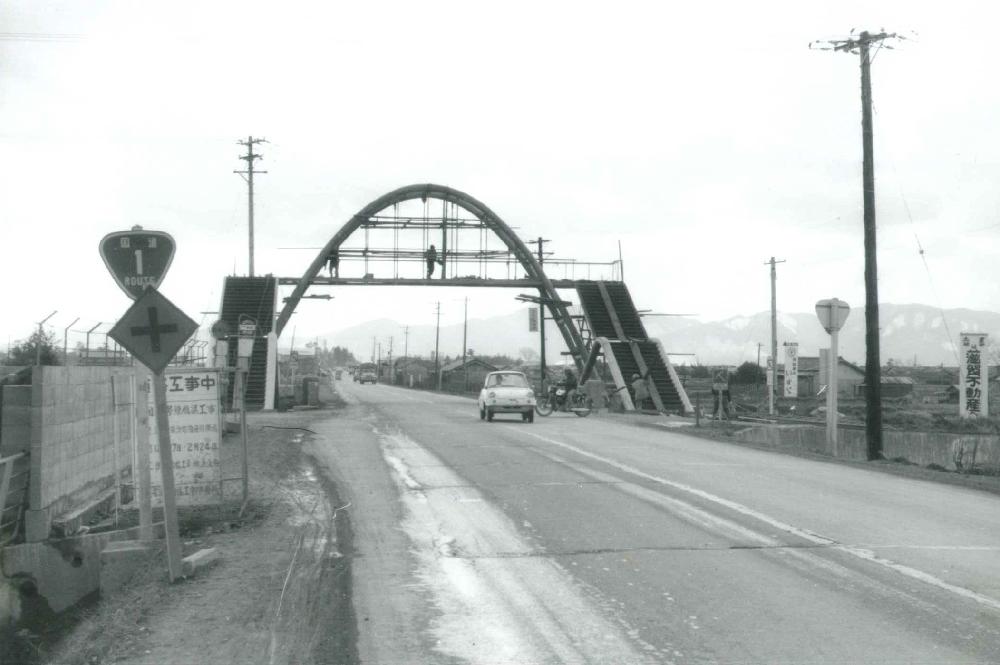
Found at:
(153, 330)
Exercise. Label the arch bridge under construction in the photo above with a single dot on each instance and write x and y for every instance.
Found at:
(387, 243)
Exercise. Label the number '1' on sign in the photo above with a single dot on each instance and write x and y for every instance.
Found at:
(138, 258)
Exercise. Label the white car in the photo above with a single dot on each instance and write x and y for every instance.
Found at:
(507, 392)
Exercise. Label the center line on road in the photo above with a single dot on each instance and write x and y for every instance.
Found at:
(857, 552)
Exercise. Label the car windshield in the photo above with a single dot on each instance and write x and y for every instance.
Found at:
(508, 381)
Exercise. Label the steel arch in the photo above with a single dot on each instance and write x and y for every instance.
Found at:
(560, 314)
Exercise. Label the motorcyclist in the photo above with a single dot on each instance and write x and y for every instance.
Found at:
(568, 384)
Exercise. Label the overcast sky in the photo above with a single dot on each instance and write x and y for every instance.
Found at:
(706, 137)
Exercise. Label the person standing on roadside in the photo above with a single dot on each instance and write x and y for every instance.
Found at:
(721, 395)
(640, 391)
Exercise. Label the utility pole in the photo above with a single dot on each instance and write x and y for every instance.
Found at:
(465, 343)
(388, 363)
(437, 347)
(373, 348)
(861, 45)
(406, 341)
(541, 316)
(758, 353)
(774, 334)
(248, 177)
(41, 336)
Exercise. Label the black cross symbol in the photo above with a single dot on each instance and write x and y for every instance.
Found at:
(153, 329)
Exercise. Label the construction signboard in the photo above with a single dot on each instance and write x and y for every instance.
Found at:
(195, 416)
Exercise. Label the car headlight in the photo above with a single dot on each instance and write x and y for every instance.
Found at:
(491, 393)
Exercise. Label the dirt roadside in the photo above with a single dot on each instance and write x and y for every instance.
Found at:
(281, 593)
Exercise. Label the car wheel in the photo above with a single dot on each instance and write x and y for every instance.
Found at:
(489, 415)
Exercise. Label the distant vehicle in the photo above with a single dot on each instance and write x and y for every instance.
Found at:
(507, 392)
(366, 373)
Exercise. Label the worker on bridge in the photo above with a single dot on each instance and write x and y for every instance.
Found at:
(431, 256)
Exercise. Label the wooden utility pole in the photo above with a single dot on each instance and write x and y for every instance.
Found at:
(774, 334)
(465, 344)
(248, 177)
(437, 347)
(861, 45)
(541, 316)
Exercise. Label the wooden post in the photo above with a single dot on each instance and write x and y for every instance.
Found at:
(141, 435)
(167, 470)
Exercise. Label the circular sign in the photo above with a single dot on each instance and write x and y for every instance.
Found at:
(221, 330)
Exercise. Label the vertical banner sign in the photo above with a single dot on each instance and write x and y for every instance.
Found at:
(195, 416)
(532, 319)
(791, 369)
(973, 388)
(770, 371)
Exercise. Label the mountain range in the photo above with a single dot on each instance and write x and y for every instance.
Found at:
(910, 334)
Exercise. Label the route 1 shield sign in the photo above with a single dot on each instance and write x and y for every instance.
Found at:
(137, 258)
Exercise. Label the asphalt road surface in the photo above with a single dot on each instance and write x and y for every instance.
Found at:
(594, 540)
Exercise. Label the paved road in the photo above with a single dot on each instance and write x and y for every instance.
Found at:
(597, 541)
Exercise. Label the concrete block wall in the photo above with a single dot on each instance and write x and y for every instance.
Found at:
(941, 448)
(15, 421)
(73, 434)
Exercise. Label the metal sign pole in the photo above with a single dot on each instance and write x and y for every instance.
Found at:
(167, 469)
(831, 392)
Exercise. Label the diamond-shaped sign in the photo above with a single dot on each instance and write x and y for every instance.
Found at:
(137, 258)
(153, 330)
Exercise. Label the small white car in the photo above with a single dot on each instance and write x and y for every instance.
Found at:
(507, 392)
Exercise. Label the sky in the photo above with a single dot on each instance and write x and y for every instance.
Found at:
(705, 137)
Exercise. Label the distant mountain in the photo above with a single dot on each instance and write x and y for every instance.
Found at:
(506, 334)
(909, 333)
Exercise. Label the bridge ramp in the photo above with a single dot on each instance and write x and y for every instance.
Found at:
(618, 331)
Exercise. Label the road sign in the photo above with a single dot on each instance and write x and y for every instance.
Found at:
(221, 330)
(832, 313)
(137, 258)
(153, 330)
(247, 327)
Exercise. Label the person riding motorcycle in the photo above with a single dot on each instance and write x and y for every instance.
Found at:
(567, 385)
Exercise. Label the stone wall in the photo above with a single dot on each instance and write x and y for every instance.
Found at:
(78, 415)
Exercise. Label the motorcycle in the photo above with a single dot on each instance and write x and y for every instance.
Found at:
(558, 398)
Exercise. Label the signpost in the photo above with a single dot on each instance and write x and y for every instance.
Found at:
(153, 329)
(832, 314)
(244, 351)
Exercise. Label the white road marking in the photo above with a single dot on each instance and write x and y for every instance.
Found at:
(494, 611)
(861, 553)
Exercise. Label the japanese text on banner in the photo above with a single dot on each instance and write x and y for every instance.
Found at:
(195, 419)
(973, 388)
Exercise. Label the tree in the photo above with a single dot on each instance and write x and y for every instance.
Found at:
(749, 374)
(27, 352)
